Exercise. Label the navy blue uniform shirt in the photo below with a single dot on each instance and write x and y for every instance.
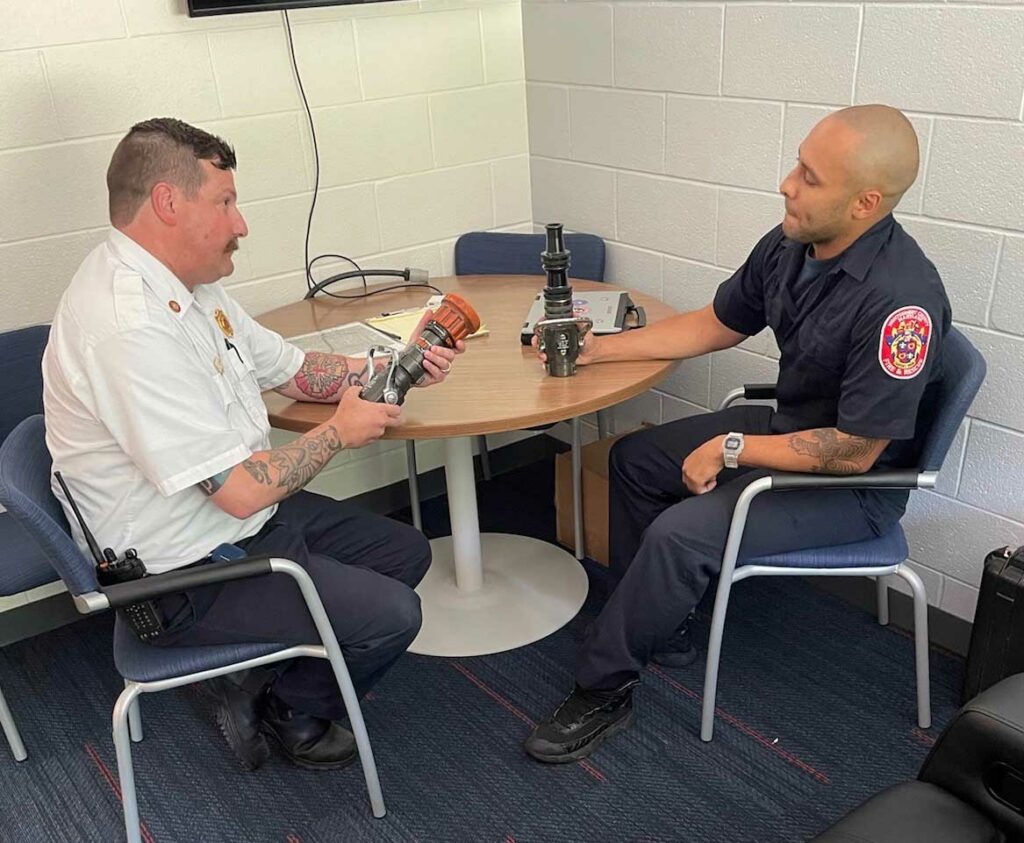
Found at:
(860, 347)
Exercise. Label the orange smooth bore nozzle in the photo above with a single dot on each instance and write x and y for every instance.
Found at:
(457, 317)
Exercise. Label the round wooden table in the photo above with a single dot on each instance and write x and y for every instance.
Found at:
(492, 592)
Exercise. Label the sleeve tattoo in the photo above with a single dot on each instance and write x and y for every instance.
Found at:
(322, 376)
(837, 453)
(292, 466)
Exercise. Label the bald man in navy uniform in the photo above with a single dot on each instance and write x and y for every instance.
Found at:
(859, 314)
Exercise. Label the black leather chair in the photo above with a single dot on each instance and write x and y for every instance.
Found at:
(970, 788)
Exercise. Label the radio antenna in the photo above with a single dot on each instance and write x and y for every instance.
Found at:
(90, 539)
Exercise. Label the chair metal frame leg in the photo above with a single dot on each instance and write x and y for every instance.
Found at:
(414, 484)
(603, 418)
(882, 599)
(707, 722)
(924, 708)
(328, 649)
(485, 457)
(123, 749)
(348, 691)
(135, 720)
(730, 575)
(725, 581)
(577, 485)
(11, 730)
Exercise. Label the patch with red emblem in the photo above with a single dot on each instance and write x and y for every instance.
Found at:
(904, 345)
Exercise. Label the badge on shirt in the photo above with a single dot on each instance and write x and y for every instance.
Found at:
(223, 323)
(904, 345)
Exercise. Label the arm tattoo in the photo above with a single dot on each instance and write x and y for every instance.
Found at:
(323, 376)
(836, 452)
(210, 485)
(292, 466)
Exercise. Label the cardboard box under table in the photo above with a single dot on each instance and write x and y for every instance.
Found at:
(594, 458)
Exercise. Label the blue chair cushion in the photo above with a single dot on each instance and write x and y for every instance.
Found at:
(888, 549)
(141, 662)
(22, 564)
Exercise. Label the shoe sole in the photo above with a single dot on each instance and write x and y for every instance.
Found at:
(670, 660)
(308, 765)
(590, 748)
(234, 741)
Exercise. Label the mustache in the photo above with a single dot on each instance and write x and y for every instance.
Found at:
(232, 246)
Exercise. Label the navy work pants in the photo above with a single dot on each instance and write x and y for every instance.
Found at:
(365, 568)
(667, 545)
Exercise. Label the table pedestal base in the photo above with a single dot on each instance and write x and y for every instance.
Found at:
(530, 589)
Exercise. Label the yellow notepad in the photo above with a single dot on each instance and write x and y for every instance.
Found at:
(401, 324)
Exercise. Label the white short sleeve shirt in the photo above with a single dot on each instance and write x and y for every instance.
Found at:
(148, 390)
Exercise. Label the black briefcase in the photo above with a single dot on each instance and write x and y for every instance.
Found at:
(997, 639)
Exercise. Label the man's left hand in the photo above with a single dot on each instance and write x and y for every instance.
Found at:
(437, 360)
(701, 467)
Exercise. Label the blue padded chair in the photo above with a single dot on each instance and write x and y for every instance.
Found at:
(963, 370)
(499, 253)
(23, 566)
(25, 467)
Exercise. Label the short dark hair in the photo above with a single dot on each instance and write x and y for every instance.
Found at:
(160, 149)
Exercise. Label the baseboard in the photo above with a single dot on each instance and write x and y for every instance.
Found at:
(52, 612)
(944, 630)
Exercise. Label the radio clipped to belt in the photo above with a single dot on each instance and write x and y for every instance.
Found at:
(111, 569)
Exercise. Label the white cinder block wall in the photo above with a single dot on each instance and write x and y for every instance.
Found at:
(666, 128)
(420, 114)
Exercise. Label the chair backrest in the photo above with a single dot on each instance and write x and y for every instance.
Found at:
(963, 370)
(25, 467)
(499, 253)
(21, 377)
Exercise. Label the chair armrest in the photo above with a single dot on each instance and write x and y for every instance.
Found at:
(136, 591)
(979, 757)
(759, 391)
(782, 481)
(748, 392)
(907, 478)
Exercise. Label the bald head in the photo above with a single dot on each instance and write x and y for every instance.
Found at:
(883, 153)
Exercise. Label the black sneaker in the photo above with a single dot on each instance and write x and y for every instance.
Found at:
(679, 650)
(583, 721)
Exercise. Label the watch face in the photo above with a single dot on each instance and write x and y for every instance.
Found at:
(732, 442)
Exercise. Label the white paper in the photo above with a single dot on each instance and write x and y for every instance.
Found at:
(353, 339)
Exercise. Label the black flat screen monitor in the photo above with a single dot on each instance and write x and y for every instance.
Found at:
(201, 8)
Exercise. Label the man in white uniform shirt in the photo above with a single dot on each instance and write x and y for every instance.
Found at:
(152, 382)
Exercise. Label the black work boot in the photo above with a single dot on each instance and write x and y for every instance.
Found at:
(308, 741)
(583, 721)
(239, 711)
(679, 650)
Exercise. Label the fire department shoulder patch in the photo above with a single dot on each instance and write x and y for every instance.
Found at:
(903, 349)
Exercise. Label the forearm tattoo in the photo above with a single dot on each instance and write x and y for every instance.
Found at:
(837, 453)
(210, 485)
(323, 376)
(292, 466)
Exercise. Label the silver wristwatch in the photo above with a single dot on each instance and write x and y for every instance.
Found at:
(732, 447)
